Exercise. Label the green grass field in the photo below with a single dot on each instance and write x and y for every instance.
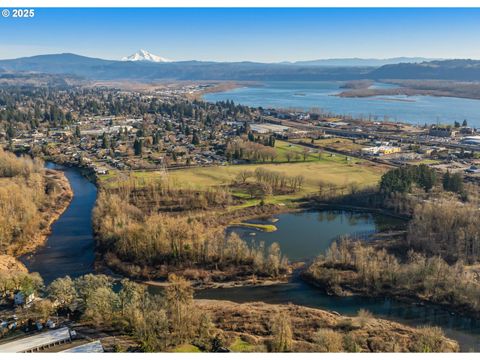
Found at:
(284, 147)
(324, 167)
(334, 169)
(329, 170)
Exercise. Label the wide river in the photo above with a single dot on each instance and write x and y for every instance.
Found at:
(70, 247)
(70, 251)
(321, 95)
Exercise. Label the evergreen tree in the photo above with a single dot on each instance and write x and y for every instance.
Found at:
(156, 138)
(446, 180)
(271, 141)
(427, 177)
(10, 132)
(138, 147)
(105, 141)
(396, 180)
(195, 139)
(453, 182)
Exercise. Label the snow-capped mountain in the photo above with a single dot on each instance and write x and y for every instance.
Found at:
(143, 55)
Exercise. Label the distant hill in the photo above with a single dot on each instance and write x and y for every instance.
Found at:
(99, 69)
(181, 70)
(466, 70)
(37, 79)
(362, 62)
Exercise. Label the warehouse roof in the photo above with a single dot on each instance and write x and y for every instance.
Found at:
(91, 347)
(31, 343)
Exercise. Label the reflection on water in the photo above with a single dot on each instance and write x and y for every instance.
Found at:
(69, 249)
(304, 235)
(461, 328)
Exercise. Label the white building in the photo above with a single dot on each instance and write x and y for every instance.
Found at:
(37, 342)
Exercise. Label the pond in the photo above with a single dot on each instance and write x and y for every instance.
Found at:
(304, 235)
(70, 250)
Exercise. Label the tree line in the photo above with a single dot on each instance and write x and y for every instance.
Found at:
(162, 193)
(24, 191)
(447, 228)
(164, 320)
(400, 180)
(181, 241)
(354, 265)
(272, 182)
(239, 149)
(157, 322)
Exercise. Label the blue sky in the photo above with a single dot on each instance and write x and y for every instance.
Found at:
(267, 35)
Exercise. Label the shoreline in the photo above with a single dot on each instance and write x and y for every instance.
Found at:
(350, 291)
(233, 277)
(378, 334)
(56, 208)
(378, 211)
(216, 88)
(248, 282)
(409, 92)
(225, 285)
(349, 92)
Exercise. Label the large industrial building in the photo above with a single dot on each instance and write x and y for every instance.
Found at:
(471, 140)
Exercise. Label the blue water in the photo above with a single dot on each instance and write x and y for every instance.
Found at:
(305, 235)
(464, 329)
(320, 94)
(70, 251)
(70, 248)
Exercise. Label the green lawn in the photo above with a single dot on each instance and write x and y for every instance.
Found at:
(186, 348)
(241, 346)
(284, 147)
